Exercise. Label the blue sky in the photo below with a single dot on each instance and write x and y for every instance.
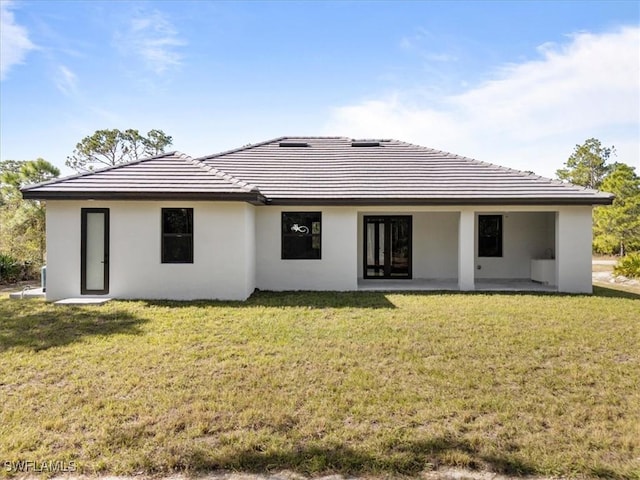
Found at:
(514, 83)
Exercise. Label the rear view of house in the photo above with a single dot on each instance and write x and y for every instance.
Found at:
(313, 213)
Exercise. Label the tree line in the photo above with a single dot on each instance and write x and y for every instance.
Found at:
(616, 227)
(22, 222)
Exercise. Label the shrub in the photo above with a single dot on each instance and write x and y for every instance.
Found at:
(10, 268)
(606, 244)
(629, 265)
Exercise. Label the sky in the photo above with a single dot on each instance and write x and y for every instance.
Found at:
(515, 83)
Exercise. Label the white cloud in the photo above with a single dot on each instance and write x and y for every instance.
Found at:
(154, 40)
(529, 115)
(14, 40)
(421, 43)
(66, 81)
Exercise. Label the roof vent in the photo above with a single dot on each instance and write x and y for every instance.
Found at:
(294, 144)
(365, 144)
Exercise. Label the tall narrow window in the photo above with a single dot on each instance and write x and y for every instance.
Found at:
(301, 235)
(177, 235)
(490, 235)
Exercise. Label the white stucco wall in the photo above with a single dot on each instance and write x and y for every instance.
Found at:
(223, 266)
(63, 249)
(336, 270)
(526, 235)
(237, 247)
(250, 249)
(573, 249)
(435, 250)
(466, 257)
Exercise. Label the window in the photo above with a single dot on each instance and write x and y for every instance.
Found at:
(301, 235)
(177, 235)
(490, 235)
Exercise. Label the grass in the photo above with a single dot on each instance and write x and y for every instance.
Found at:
(625, 287)
(351, 383)
(612, 287)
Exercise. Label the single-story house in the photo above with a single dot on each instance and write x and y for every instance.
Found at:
(313, 213)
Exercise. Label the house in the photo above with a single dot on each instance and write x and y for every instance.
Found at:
(313, 213)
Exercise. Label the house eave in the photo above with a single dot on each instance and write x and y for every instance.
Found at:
(253, 198)
(439, 201)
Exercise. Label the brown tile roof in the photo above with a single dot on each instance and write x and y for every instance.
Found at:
(307, 170)
(168, 175)
(379, 171)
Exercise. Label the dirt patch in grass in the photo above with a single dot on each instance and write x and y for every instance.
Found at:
(445, 473)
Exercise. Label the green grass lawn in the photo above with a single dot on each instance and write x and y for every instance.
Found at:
(353, 383)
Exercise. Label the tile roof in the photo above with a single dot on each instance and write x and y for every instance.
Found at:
(339, 168)
(306, 170)
(171, 174)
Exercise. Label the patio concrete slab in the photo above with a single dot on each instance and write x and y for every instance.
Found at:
(423, 284)
(416, 284)
(82, 301)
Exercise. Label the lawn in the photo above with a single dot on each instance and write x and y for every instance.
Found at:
(352, 383)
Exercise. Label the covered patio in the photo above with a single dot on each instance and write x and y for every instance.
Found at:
(482, 248)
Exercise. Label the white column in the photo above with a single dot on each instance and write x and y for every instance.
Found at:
(573, 249)
(466, 245)
(249, 249)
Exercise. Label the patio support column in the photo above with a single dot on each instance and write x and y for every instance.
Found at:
(466, 246)
(573, 249)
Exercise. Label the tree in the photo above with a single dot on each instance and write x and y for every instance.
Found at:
(22, 222)
(618, 225)
(8, 169)
(10, 166)
(107, 148)
(587, 164)
(18, 173)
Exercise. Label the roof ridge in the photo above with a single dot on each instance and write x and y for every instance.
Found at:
(373, 139)
(225, 176)
(239, 149)
(316, 137)
(249, 146)
(174, 153)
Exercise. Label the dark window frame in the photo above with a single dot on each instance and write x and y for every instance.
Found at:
(484, 250)
(83, 251)
(387, 221)
(310, 234)
(164, 235)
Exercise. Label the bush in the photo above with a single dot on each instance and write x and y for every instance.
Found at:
(10, 268)
(13, 270)
(629, 265)
(604, 244)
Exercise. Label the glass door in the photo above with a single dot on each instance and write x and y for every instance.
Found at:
(94, 247)
(387, 246)
(374, 247)
(400, 258)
